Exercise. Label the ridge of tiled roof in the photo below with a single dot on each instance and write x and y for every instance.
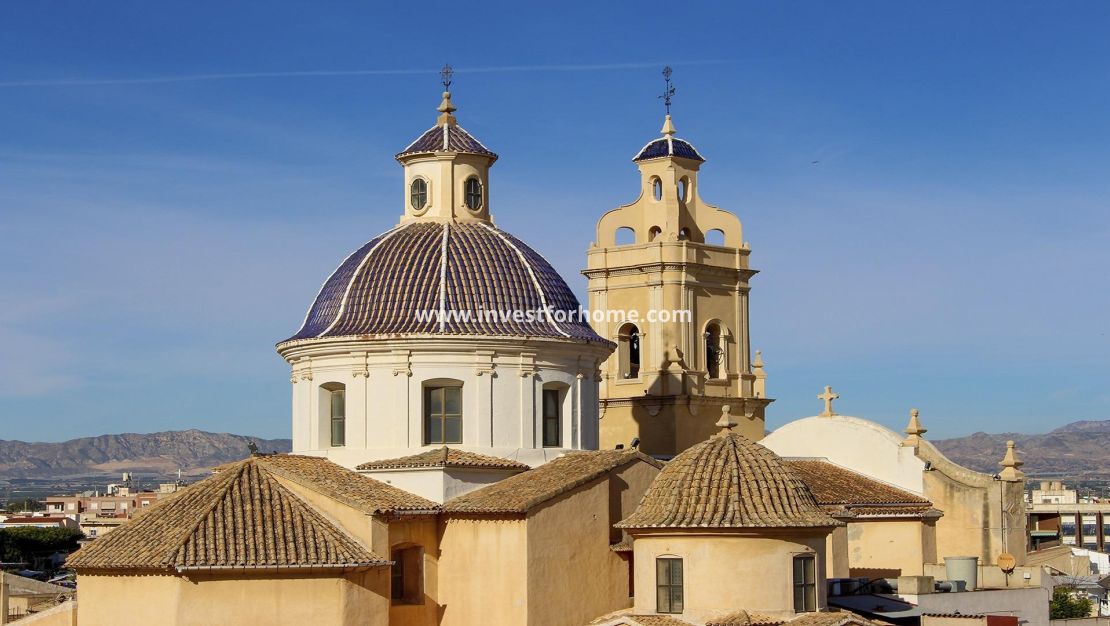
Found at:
(387, 287)
(844, 492)
(446, 137)
(745, 618)
(518, 494)
(445, 457)
(829, 618)
(668, 146)
(240, 518)
(366, 494)
(727, 481)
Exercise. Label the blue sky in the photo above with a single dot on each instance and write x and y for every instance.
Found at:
(160, 231)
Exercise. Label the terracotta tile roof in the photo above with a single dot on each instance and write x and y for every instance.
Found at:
(240, 518)
(745, 618)
(519, 493)
(829, 618)
(840, 490)
(727, 481)
(446, 457)
(625, 617)
(351, 488)
(624, 545)
(495, 284)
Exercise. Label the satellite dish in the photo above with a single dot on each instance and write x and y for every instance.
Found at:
(1006, 562)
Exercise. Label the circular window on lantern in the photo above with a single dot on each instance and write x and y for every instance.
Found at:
(473, 193)
(418, 194)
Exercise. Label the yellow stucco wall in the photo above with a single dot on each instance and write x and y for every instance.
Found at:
(982, 517)
(568, 543)
(726, 571)
(482, 571)
(383, 536)
(889, 547)
(672, 427)
(550, 568)
(208, 599)
(422, 532)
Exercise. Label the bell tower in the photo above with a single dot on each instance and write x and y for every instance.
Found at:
(676, 306)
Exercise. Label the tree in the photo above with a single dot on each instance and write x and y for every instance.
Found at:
(29, 504)
(1065, 604)
(23, 543)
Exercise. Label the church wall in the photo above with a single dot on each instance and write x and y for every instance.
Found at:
(668, 427)
(501, 380)
(836, 553)
(973, 517)
(722, 572)
(423, 532)
(860, 445)
(230, 597)
(888, 548)
(483, 571)
(573, 576)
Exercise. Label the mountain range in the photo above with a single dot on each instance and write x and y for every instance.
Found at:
(1077, 450)
(194, 452)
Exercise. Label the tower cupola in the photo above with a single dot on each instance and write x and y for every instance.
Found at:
(446, 170)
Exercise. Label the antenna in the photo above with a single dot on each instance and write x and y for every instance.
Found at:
(668, 93)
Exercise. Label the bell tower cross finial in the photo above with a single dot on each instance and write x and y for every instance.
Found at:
(445, 76)
(446, 108)
(668, 93)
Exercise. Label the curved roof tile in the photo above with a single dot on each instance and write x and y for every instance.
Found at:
(492, 285)
(728, 481)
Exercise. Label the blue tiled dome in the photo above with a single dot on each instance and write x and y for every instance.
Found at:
(668, 146)
(382, 289)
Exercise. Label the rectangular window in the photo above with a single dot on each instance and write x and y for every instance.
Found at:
(338, 411)
(552, 419)
(442, 415)
(805, 584)
(407, 576)
(1067, 528)
(668, 585)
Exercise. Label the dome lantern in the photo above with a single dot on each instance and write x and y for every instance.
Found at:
(446, 170)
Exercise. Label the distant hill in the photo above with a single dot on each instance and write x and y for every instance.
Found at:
(1078, 450)
(192, 451)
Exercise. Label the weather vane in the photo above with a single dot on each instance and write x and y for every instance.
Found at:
(446, 73)
(668, 93)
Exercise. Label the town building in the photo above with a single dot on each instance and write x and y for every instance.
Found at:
(99, 513)
(39, 521)
(1058, 515)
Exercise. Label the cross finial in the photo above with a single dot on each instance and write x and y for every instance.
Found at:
(828, 397)
(668, 93)
(445, 74)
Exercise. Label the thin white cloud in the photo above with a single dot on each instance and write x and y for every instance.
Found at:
(182, 78)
